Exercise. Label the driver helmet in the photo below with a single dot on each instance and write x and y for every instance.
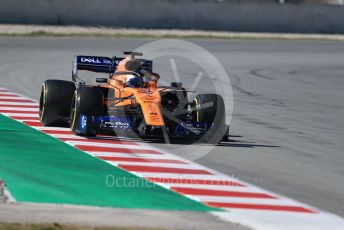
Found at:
(133, 81)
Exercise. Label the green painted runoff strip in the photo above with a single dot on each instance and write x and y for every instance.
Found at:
(39, 168)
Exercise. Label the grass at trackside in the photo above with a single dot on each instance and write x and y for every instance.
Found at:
(20, 30)
(144, 35)
(62, 227)
(41, 169)
(118, 36)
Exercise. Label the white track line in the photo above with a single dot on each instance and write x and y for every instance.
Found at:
(131, 155)
(150, 164)
(212, 187)
(28, 119)
(4, 103)
(81, 143)
(67, 136)
(19, 109)
(247, 200)
(132, 152)
(180, 176)
(21, 114)
(9, 93)
(50, 128)
(9, 97)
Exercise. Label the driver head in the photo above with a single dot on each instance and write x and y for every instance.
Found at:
(133, 81)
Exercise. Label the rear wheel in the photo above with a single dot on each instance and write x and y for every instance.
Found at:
(87, 102)
(55, 101)
(210, 109)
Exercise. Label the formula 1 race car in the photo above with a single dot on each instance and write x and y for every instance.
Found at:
(129, 102)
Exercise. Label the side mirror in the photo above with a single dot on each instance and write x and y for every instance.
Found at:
(177, 85)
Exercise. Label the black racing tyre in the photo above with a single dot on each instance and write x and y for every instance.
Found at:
(88, 101)
(54, 103)
(210, 108)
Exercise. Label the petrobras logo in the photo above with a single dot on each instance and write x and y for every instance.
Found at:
(119, 124)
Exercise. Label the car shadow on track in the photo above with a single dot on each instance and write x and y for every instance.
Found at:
(233, 141)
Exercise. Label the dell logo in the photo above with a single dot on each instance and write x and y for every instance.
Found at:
(91, 60)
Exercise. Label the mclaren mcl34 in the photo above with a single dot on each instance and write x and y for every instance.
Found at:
(130, 102)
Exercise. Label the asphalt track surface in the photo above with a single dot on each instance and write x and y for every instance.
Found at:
(287, 129)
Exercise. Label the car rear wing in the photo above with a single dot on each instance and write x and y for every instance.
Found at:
(92, 63)
(102, 64)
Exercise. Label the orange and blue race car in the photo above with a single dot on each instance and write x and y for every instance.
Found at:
(130, 102)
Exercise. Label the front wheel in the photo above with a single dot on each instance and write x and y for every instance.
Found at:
(209, 109)
(87, 102)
